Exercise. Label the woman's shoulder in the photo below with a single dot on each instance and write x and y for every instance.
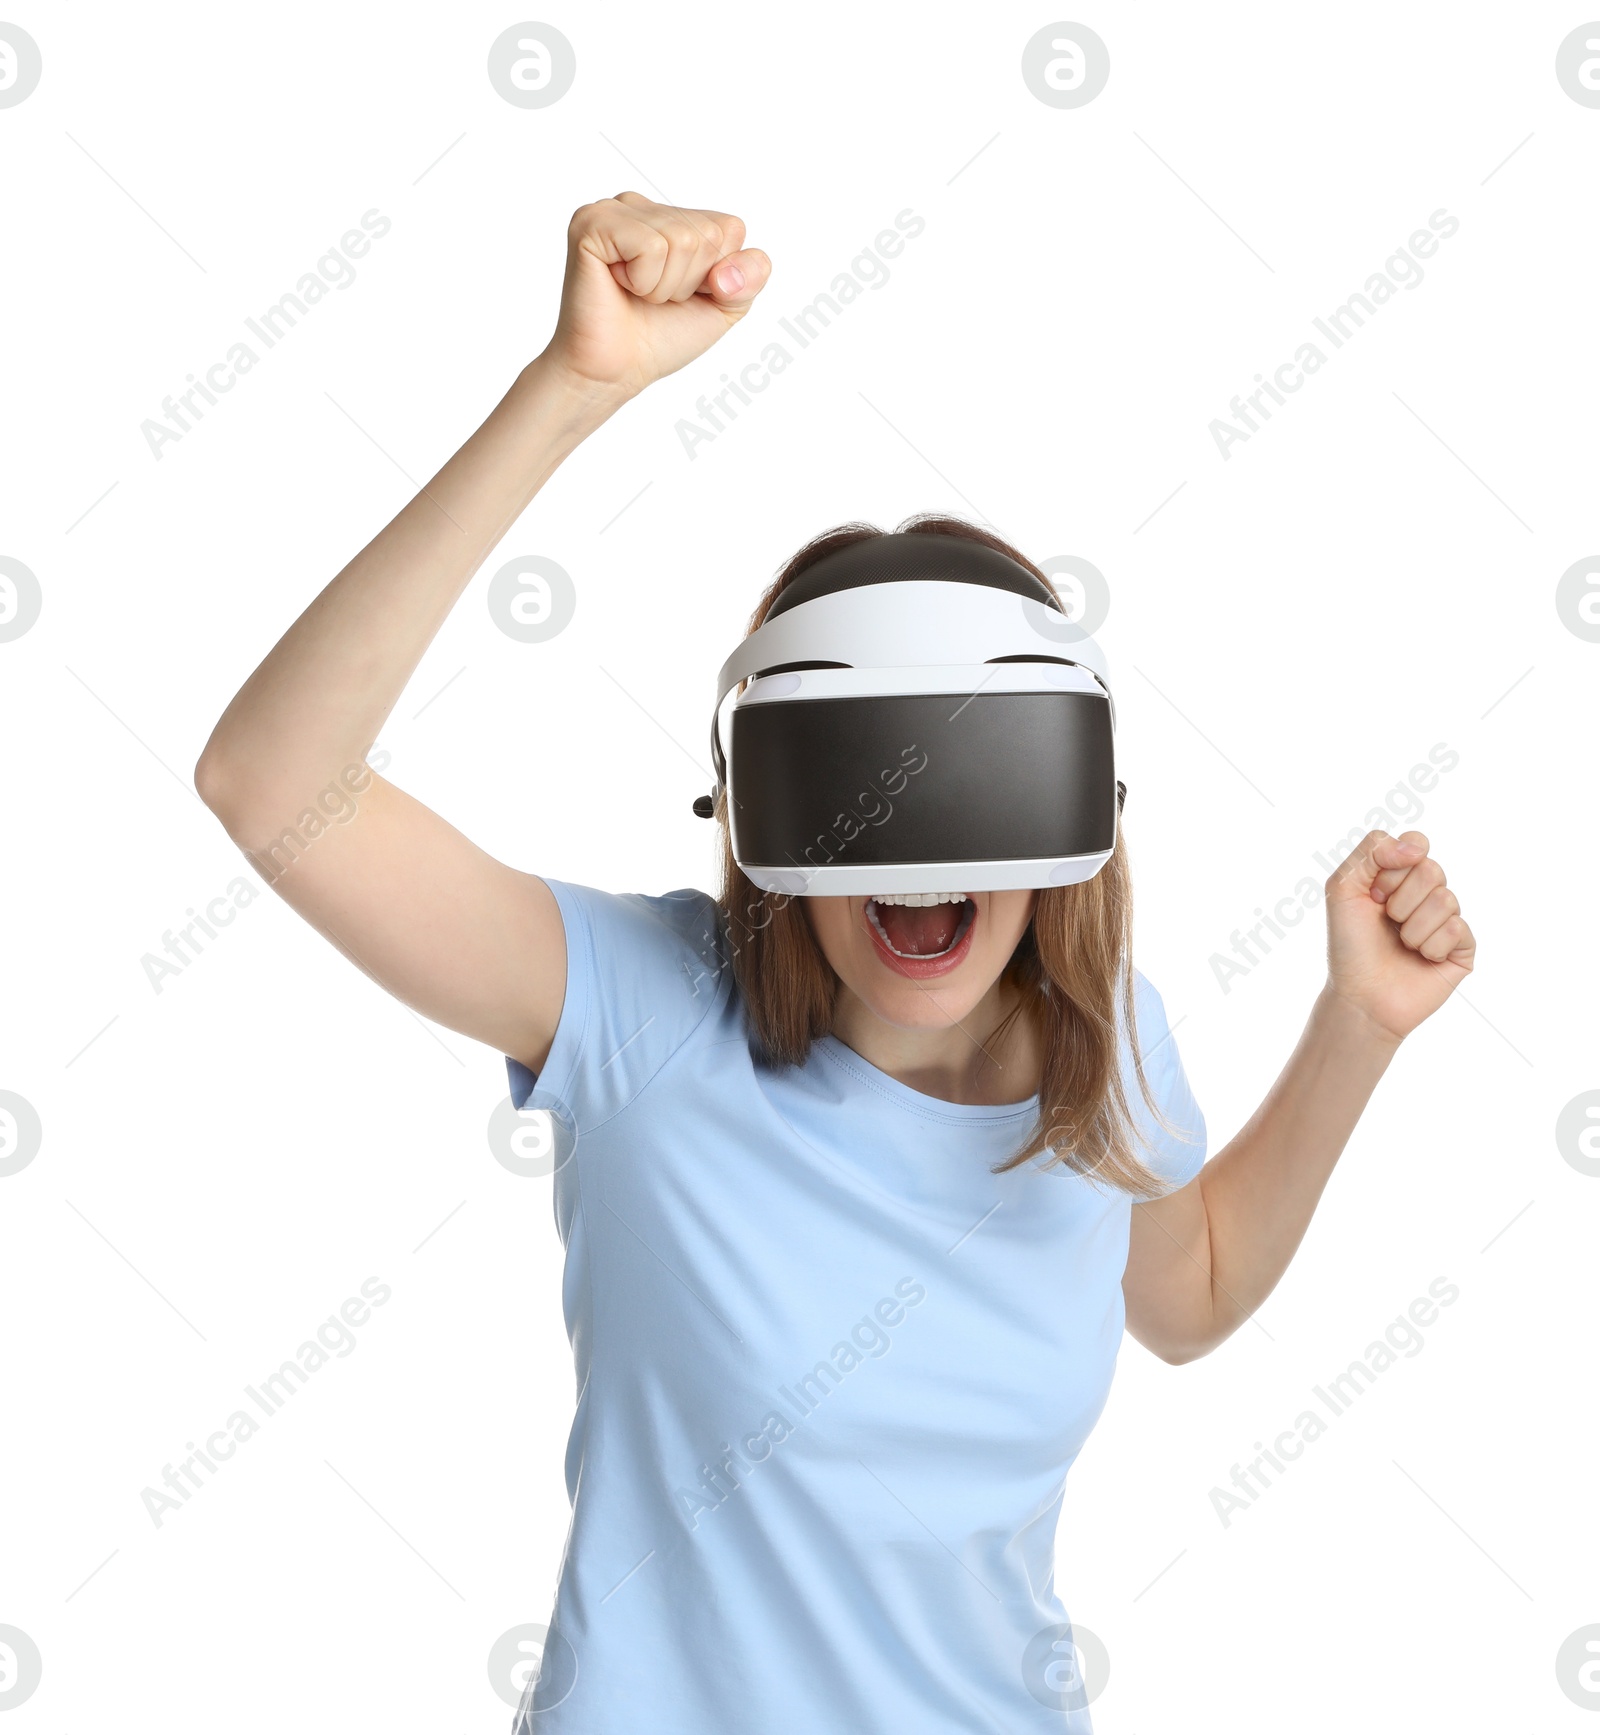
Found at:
(645, 971)
(645, 929)
(1174, 1138)
(1147, 1003)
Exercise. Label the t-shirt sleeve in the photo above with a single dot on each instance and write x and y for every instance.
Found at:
(1175, 1152)
(642, 972)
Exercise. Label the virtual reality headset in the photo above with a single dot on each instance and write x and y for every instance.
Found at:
(920, 715)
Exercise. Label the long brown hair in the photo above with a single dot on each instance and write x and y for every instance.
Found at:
(1072, 968)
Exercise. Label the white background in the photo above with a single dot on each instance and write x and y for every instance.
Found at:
(226, 1160)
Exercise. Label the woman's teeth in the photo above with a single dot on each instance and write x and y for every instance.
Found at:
(920, 936)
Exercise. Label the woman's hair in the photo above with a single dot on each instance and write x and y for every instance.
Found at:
(1072, 968)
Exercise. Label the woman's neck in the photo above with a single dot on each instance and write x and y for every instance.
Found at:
(981, 1059)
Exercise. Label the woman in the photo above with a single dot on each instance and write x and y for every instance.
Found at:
(851, 1240)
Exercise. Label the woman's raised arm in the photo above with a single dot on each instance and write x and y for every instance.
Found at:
(466, 940)
(1204, 1258)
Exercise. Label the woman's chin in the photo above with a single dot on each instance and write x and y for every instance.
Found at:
(933, 1004)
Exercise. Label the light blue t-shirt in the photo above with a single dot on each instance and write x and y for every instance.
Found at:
(831, 1370)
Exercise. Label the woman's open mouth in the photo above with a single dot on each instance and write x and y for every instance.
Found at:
(921, 934)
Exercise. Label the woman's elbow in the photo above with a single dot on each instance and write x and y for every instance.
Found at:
(218, 784)
(1176, 1354)
(210, 778)
(1177, 1341)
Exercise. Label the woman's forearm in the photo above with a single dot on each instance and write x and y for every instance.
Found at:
(1260, 1190)
(319, 698)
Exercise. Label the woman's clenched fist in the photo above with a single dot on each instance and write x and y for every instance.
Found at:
(648, 288)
